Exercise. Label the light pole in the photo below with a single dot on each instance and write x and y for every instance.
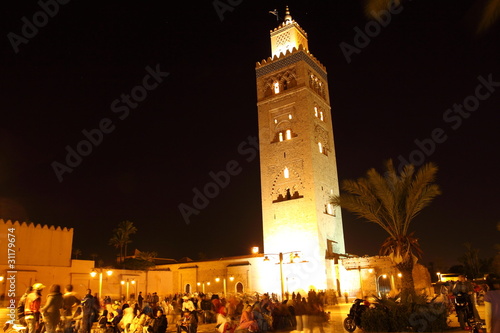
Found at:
(294, 255)
(224, 283)
(127, 283)
(94, 273)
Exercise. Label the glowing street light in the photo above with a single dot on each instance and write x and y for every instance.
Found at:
(294, 258)
(94, 273)
(127, 283)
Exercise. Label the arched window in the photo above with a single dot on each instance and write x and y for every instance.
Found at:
(280, 135)
(321, 115)
(316, 111)
(276, 86)
(330, 210)
(239, 287)
(286, 173)
(320, 146)
(288, 134)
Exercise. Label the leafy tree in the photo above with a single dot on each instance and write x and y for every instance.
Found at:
(137, 264)
(471, 262)
(148, 256)
(392, 201)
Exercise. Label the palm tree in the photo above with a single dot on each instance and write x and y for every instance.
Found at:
(121, 237)
(392, 201)
(117, 240)
(77, 253)
(128, 229)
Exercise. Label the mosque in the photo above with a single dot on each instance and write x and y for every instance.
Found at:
(303, 233)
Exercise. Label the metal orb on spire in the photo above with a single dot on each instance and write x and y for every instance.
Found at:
(288, 17)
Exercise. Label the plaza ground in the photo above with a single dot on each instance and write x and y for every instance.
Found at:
(337, 315)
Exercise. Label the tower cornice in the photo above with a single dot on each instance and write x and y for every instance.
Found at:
(269, 65)
(285, 26)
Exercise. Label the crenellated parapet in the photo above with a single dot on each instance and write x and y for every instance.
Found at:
(35, 244)
(18, 224)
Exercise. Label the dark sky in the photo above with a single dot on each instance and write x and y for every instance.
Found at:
(393, 92)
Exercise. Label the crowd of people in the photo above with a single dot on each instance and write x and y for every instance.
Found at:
(66, 312)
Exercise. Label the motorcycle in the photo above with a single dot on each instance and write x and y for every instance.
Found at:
(354, 317)
(462, 309)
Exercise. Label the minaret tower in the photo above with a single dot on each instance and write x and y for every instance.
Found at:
(297, 158)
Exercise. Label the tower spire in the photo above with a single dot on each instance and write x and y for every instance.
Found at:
(288, 17)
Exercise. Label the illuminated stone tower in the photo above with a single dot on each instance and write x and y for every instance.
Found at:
(297, 158)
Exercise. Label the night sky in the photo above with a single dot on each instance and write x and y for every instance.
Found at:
(397, 96)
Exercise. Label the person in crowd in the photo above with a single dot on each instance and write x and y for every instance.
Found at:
(187, 304)
(32, 307)
(186, 323)
(140, 299)
(21, 306)
(70, 303)
(465, 287)
(247, 320)
(103, 320)
(90, 311)
(51, 311)
(492, 304)
(160, 323)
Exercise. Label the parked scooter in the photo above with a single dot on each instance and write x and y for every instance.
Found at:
(354, 317)
(462, 309)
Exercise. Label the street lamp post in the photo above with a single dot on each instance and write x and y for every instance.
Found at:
(293, 256)
(127, 284)
(94, 273)
(224, 283)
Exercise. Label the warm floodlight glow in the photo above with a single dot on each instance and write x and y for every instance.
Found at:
(109, 272)
(289, 116)
(133, 281)
(93, 273)
(400, 275)
(384, 276)
(122, 282)
(255, 249)
(231, 278)
(1, 278)
(370, 270)
(198, 283)
(217, 279)
(208, 283)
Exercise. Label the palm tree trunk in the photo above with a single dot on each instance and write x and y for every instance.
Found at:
(407, 284)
